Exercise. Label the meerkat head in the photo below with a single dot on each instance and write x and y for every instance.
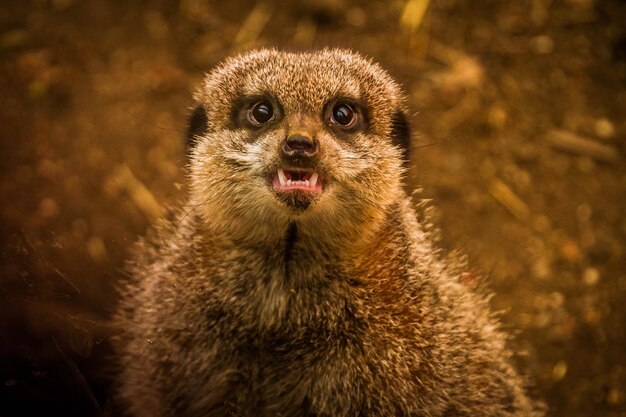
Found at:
(281, 137)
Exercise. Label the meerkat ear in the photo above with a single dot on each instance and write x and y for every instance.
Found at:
(401, 134)
(198, 125)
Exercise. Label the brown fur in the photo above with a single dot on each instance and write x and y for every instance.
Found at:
(246, 305)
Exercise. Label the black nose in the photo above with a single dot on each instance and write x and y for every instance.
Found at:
(298, 145)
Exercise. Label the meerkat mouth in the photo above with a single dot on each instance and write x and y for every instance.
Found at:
(287, 180)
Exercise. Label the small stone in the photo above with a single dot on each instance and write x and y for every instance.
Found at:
(37, 89)
(542, 44)
(541, 269)
(570, 251)
(559, 371)
(591, 276)
(48, 208)
(96, 249)
(13, 39)
(557, 299)
(604, 128)
(615, 397)
(592, 316)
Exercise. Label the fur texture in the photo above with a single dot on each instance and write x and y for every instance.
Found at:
(248, 304)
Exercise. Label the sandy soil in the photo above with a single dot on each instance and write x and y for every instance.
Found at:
(520, 142)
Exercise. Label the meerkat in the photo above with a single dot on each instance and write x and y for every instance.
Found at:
(296, 279)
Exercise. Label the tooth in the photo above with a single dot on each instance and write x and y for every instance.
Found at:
(281, 177)
(306, 183)
(288, 183)
(313, 179)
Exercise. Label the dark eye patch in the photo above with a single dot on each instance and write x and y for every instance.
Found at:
(401, 134)
(346, 115)
(197, 126)
(255, 112)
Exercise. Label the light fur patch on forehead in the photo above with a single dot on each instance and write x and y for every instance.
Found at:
(307, 81)
(301, 81)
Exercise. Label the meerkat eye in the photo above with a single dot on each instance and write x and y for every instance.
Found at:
(261, 112)
(343, 114)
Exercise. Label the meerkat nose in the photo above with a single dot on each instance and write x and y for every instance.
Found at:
(300, 145)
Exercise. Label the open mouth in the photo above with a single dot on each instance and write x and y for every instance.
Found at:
(287, 180)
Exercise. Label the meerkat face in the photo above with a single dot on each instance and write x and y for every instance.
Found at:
(280, 136)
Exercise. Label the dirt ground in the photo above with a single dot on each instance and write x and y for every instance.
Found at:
(520, 143)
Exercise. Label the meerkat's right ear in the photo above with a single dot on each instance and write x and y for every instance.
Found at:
(401, 134)
(198, 125)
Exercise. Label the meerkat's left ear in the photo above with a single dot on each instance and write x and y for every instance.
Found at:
(401, 134)
(197, 126)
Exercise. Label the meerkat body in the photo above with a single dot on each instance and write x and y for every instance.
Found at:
(296, 281)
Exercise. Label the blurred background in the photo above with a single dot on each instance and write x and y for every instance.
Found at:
(520, 141)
